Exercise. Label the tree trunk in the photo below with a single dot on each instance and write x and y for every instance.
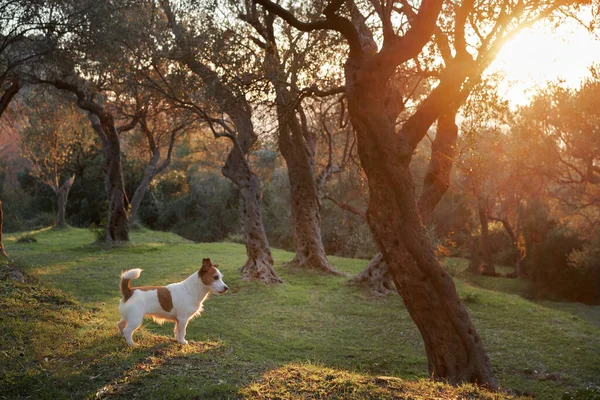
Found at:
(453, 345)
(117, 226)
(306, 219)
(140, 191)
(2, 250)
(487, 266)
(61, 202)
(259, 262)
(297, 144)
(7, 96)
(298, 148)
(515, 242)
(436, 182)
(375, 277)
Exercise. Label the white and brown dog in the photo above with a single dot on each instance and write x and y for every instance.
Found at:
(177, 302)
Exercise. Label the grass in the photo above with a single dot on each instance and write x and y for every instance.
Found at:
(311, 336)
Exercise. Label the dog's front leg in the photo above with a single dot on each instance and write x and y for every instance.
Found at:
(180, 328)
(176, 330)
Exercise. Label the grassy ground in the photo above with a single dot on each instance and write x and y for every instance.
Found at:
(312, 336)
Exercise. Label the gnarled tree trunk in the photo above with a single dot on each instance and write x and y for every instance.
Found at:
(375, 276)
(153, 168)
(140, 191)
(453, 345)
(117, 226)
(297, 145)
(306, 209)
(259, 262)
(62, 194)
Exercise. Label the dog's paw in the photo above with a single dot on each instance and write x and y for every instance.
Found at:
(183, 341)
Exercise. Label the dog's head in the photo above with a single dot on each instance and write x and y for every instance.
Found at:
(212, 277)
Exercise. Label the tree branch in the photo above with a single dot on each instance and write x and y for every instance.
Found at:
(332, 22)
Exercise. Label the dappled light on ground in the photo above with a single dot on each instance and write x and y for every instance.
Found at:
(161, 354)
(307, 381)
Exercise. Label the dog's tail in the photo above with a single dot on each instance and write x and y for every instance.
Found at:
(125, 278)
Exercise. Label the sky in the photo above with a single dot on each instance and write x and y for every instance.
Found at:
(544, 53)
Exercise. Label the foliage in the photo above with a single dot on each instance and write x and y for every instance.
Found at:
(551, 275)
(277, 213)
(56, 135)
(255, 332)
(208, 212)
(587, 264)
(26, 239)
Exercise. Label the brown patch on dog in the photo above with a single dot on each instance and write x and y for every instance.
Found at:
(207, 275)
(207, 271)
(164, 295)
(126, 289)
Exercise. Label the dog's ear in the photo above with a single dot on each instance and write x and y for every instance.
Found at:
(206, 264)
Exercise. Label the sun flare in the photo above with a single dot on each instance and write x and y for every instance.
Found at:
(545, 53)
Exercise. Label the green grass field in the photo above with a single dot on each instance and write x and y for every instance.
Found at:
(311, 337)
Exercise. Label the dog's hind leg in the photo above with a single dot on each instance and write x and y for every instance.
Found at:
(176, 330)
(133, 323)
(121, 325)
(181, 326)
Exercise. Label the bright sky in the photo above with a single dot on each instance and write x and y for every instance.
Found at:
(543, 53)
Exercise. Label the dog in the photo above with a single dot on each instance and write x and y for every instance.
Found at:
(177, 302)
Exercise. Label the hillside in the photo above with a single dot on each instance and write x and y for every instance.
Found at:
(311, 336)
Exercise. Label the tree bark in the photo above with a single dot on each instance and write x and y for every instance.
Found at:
(62, 194)
(2, 250)
(375, 277)
(140, 191)
(453, 345)
(259, 261)
(117, 227)
(436, 183)
(7, 96)
(297, 145)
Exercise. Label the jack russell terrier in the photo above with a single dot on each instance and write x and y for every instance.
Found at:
(177, 302)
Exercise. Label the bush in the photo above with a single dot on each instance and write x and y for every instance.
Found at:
(205, 213)
(26, 239)
(551, 275)
(586, 263)
(235, 238)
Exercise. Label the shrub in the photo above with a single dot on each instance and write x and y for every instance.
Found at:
(26, 239)
(207, 213)
(277, 213)
(551, 274)
(235, 238)
(586, 263)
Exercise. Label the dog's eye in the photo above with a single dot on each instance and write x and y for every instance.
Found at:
(216, 277)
